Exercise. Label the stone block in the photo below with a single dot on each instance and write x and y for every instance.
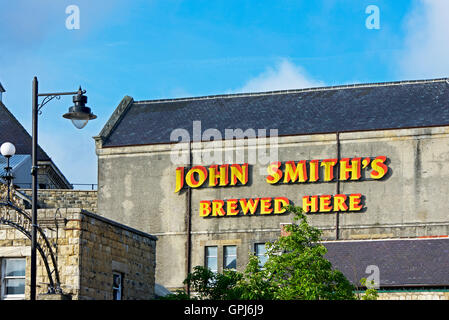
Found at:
(54, 297)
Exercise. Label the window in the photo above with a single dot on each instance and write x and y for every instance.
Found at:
(283, 231)
(13, 279)
(117, 286)
(261, 253)
(211, 259)
(230, 257)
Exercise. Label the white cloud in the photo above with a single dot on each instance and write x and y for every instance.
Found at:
(426, 52)
(285, 75)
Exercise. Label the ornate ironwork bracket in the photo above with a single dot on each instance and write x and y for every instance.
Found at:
(22, 222)
(57, 95)
(46, 100)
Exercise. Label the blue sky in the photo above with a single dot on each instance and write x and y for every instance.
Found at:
(168, 49)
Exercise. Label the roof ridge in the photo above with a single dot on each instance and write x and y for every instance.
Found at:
(436, 237)
(312, 89)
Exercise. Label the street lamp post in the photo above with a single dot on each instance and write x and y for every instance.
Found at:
(80, 114)
(8, 150)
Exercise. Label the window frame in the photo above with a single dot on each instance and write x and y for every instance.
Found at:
(206, 256)
(225, 256)
(120, 288)
(256, 244)
(4, 278)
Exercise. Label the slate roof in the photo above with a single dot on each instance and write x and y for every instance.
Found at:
(14, 162)
(12, 131)
(401, 263)
(392, 105)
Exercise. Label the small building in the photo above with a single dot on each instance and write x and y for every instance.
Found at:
(81, 255)
(401, 268)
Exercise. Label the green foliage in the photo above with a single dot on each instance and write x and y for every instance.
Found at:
(209, 285)
(370, 293)
(255, 284)
(178, 295)
(295, 270)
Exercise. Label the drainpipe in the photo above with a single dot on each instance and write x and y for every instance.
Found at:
(337, 214)
(189, 223)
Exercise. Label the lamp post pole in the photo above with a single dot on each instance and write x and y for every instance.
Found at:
(34, 192)
(80, 114)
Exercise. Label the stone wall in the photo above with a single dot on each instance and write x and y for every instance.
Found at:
(88, 250)
(65, 198)
(414, 295)
(108, 247)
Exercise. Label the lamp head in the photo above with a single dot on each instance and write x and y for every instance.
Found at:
(80, 114)
(7, 149)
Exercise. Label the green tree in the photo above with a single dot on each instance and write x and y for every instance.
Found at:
(296, 269)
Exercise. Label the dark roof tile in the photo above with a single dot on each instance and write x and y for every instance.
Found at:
(405, 262)
(307, 111)
(12, 131)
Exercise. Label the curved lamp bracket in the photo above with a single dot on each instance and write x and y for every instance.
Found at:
(46, 100)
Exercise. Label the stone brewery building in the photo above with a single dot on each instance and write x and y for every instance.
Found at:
(209, 176)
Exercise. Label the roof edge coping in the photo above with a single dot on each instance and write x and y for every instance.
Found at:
(312, 89)
(115, 118)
